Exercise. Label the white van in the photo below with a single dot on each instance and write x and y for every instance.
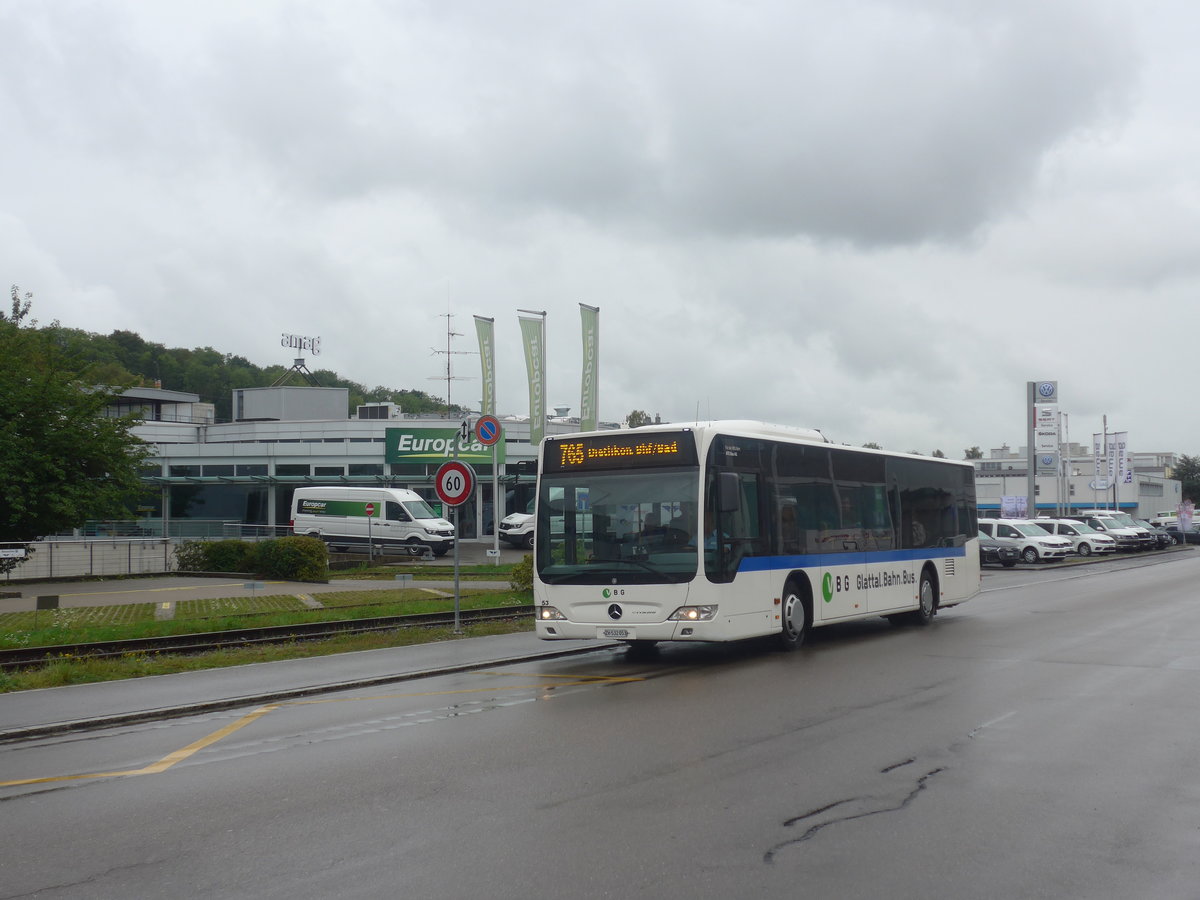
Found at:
(1087, 540)
(1032, 542)
(339, 516)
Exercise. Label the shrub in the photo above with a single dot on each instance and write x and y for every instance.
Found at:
(295, 558)
(230, 556)
(190, 556)
(521, 576)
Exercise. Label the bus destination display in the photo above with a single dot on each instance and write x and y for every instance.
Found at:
(676, 448)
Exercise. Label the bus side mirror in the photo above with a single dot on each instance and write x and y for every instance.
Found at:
(729, 495)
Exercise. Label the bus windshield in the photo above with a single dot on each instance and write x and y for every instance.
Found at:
(618, 527)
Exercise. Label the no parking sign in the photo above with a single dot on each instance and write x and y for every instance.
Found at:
(487, 430)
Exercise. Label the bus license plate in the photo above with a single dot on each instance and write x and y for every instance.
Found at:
(623, 634)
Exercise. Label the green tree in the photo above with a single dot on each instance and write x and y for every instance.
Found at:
(871, 445)
(62, 460)
(1188, 473)
(637, 419)
(973, 453)
(939, 454)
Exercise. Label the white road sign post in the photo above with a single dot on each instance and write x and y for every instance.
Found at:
(455, 483)
(488, 432)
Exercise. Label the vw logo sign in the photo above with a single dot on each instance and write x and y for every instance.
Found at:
(614, 611)
(1047, 460)
(1046, 388)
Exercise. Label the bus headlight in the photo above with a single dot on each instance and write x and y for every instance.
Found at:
(693, 614)
(549, 613)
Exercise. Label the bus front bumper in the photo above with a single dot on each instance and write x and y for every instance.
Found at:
(564, 630)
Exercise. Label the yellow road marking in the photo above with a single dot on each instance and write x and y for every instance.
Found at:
(196, 746)
(163, 764)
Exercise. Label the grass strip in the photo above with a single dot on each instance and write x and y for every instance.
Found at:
(88, 624)
(69, 670)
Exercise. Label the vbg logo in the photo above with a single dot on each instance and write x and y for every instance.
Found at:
(831, 585)
(618, 592)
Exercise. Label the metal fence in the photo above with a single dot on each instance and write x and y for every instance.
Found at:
(67, 557)
(175, 528)
(120, 548)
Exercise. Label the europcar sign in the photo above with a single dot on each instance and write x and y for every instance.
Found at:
(436, 445)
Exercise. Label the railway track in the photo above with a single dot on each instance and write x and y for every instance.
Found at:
(245, 637)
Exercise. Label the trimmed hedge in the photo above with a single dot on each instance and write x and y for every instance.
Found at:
(293, 558)
(296, 558)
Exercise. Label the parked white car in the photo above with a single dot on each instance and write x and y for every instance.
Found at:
(1086, 539)
(1032, 542)
(1110, 521)
(1165, 518)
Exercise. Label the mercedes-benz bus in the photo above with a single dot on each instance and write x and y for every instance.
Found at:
(721, 531)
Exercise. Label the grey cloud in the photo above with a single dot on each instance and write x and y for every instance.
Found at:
(778, 119)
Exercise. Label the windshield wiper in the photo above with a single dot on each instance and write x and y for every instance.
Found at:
(632, 562)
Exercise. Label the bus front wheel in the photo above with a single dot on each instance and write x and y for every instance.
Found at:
(927, 602)
(794, 615)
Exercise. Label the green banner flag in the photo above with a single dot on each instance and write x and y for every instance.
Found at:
(533, 335)
(590, 389)
(485, 329)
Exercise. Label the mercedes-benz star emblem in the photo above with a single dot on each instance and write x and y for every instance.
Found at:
(614, 611)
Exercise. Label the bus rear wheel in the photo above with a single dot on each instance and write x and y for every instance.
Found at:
(794, 622)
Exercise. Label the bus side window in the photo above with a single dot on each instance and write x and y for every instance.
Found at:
(789, 528)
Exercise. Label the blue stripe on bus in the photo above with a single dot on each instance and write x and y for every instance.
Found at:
(851, 558)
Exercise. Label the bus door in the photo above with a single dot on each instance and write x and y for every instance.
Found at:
(732, 526)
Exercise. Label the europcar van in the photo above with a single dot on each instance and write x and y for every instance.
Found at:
(339, 516)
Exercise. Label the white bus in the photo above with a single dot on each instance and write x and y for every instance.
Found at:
(720, 531)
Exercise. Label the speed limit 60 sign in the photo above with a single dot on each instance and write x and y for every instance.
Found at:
(454, 482)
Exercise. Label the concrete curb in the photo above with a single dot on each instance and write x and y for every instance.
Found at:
(30, 732)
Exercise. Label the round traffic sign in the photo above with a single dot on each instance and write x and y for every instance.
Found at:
(487, 430)
(370, 510)
(454, 482)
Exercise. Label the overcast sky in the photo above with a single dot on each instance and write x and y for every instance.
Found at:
(880, 218)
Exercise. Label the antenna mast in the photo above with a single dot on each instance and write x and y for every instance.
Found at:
(449, 353)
